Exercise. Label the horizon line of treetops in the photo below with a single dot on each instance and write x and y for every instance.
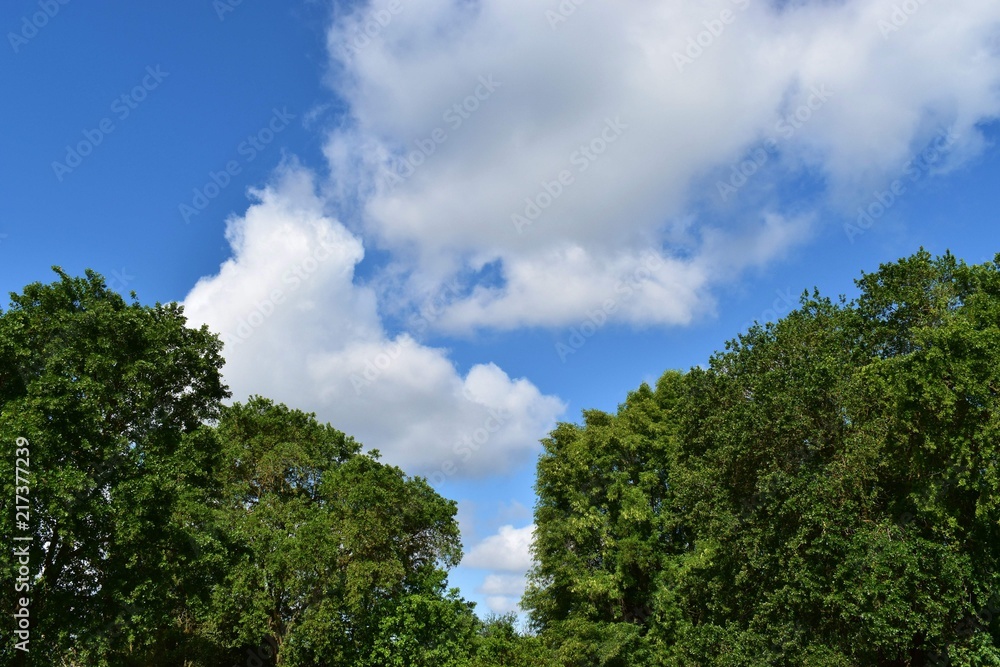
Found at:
(825, 492)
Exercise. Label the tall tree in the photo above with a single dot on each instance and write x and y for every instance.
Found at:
(829, 489)
(109, 395)
(169, 530)
(341, 557)
(605, 524)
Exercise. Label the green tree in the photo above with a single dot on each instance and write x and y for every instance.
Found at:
(842, 470)
(170, 530)
(339, 557)
(605, 524)
(499, 644)
(827, 490)
(110, 396)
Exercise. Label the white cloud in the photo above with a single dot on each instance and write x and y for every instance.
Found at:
(503, 592)
(507, 551)
(555, 87)
(503, 584)
(560, 170)
(507, 555)
(593, 129)
(565, 284)
(300, 330)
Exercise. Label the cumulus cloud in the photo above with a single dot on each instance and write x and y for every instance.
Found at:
(503, 592)
(542, 155)
(532, 164)
(526, 164)
(507, 555)
(507, 551)
(299, 329)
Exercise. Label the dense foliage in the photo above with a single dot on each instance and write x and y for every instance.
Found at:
(825, 492)
(109, 395)
(171, 530)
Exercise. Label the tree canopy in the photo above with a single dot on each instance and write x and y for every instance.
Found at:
(824, 492)
(170, 529)
(110, 396)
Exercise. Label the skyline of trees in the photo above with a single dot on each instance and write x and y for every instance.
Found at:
(823, 492)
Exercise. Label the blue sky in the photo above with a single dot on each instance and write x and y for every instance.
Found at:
(482, 217)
